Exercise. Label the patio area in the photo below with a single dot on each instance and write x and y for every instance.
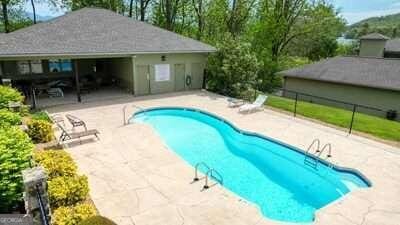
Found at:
(136, 180)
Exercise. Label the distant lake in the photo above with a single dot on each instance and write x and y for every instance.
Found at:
(345, 41)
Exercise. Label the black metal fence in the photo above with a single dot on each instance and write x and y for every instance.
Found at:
(43, 212)
(297, 100)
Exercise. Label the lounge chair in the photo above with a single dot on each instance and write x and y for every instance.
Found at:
(75, 121)
(55, 118)
(234, 102)
(257, 104)
(65, 135)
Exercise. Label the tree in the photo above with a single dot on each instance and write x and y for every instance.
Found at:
(143, 4)
(166, 13)
(238, 15)
(33, 11)
(200, 7)
(13, 16)
(114, 5)
(288, 27)
(233, 68)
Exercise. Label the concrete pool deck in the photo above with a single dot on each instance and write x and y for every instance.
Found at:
(135, 180)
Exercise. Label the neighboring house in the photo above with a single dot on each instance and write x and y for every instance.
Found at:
(370, 79)
(96, 47)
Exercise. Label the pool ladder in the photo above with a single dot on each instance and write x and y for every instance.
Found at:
(312, 158)
(211, 173)
(124, 112)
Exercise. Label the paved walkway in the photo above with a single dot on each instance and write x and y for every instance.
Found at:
(135, 179)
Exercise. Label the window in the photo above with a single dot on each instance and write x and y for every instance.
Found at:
(36, 66)
(58, 65)
(54, 66)
(23, 67)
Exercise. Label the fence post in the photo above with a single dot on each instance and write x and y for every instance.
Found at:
(295, 105)
(352, 118)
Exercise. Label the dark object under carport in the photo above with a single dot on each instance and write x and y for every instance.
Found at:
(391, 114)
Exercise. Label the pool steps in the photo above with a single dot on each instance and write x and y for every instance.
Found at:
(211, 172)
(311, 159)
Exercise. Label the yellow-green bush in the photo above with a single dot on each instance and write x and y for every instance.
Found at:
(40, 131)
(15, 152)
(97, 220)
(56, 163)
(73, 215)
(8, 118)
(9, 94)
(67, 190)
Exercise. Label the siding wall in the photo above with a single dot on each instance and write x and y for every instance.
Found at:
(372, 48)
(188, 60)
(377, 98)
(122, 69)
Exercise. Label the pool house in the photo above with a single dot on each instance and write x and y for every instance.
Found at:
(93, 53)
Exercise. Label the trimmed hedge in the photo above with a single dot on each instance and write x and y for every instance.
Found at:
(8, 118)
(67, 190)
(40, 131)
(9, 94)
(97, 220)
(56, 163)
(73, 215)
(15, 152)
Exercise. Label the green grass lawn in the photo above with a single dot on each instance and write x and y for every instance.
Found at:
(378, 127)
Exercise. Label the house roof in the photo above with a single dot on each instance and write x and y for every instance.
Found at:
(393, 45)
(374, 36)
(360, 71)
(92, 31)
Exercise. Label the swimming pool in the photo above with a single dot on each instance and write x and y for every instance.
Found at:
(261, 170)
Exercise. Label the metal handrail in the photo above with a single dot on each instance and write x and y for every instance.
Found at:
(329, 146)
(124, 111)
(313, 143)
(43, 214)
(196, 168)
(210, 174)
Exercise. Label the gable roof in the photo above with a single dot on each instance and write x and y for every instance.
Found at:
(92, 31)
(393, 45)
(374, 36)
(360, 71)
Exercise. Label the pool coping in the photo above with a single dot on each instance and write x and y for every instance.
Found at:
(255, 134)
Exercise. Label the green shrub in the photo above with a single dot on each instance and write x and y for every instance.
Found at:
(73, 215)
(97, 220)
(56, 163)
(41, 115)
(8, 118)
(9, 94)
(67, 190)
(40, 131)
(15, 152)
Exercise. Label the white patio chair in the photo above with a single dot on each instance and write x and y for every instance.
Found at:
(256, 105)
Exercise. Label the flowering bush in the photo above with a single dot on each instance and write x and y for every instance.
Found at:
(56, 163)
(40, 131)
(73, 215)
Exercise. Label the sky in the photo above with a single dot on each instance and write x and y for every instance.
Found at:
(352, 10)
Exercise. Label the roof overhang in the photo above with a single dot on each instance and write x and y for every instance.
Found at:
(90, 55)
(339, 82)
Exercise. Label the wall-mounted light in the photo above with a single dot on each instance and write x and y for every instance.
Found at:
(163, 58)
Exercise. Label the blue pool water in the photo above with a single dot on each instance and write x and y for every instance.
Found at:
(261, 170)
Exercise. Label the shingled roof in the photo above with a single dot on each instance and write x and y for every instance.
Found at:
(374, 36)
(369, 72)
(92, 31)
